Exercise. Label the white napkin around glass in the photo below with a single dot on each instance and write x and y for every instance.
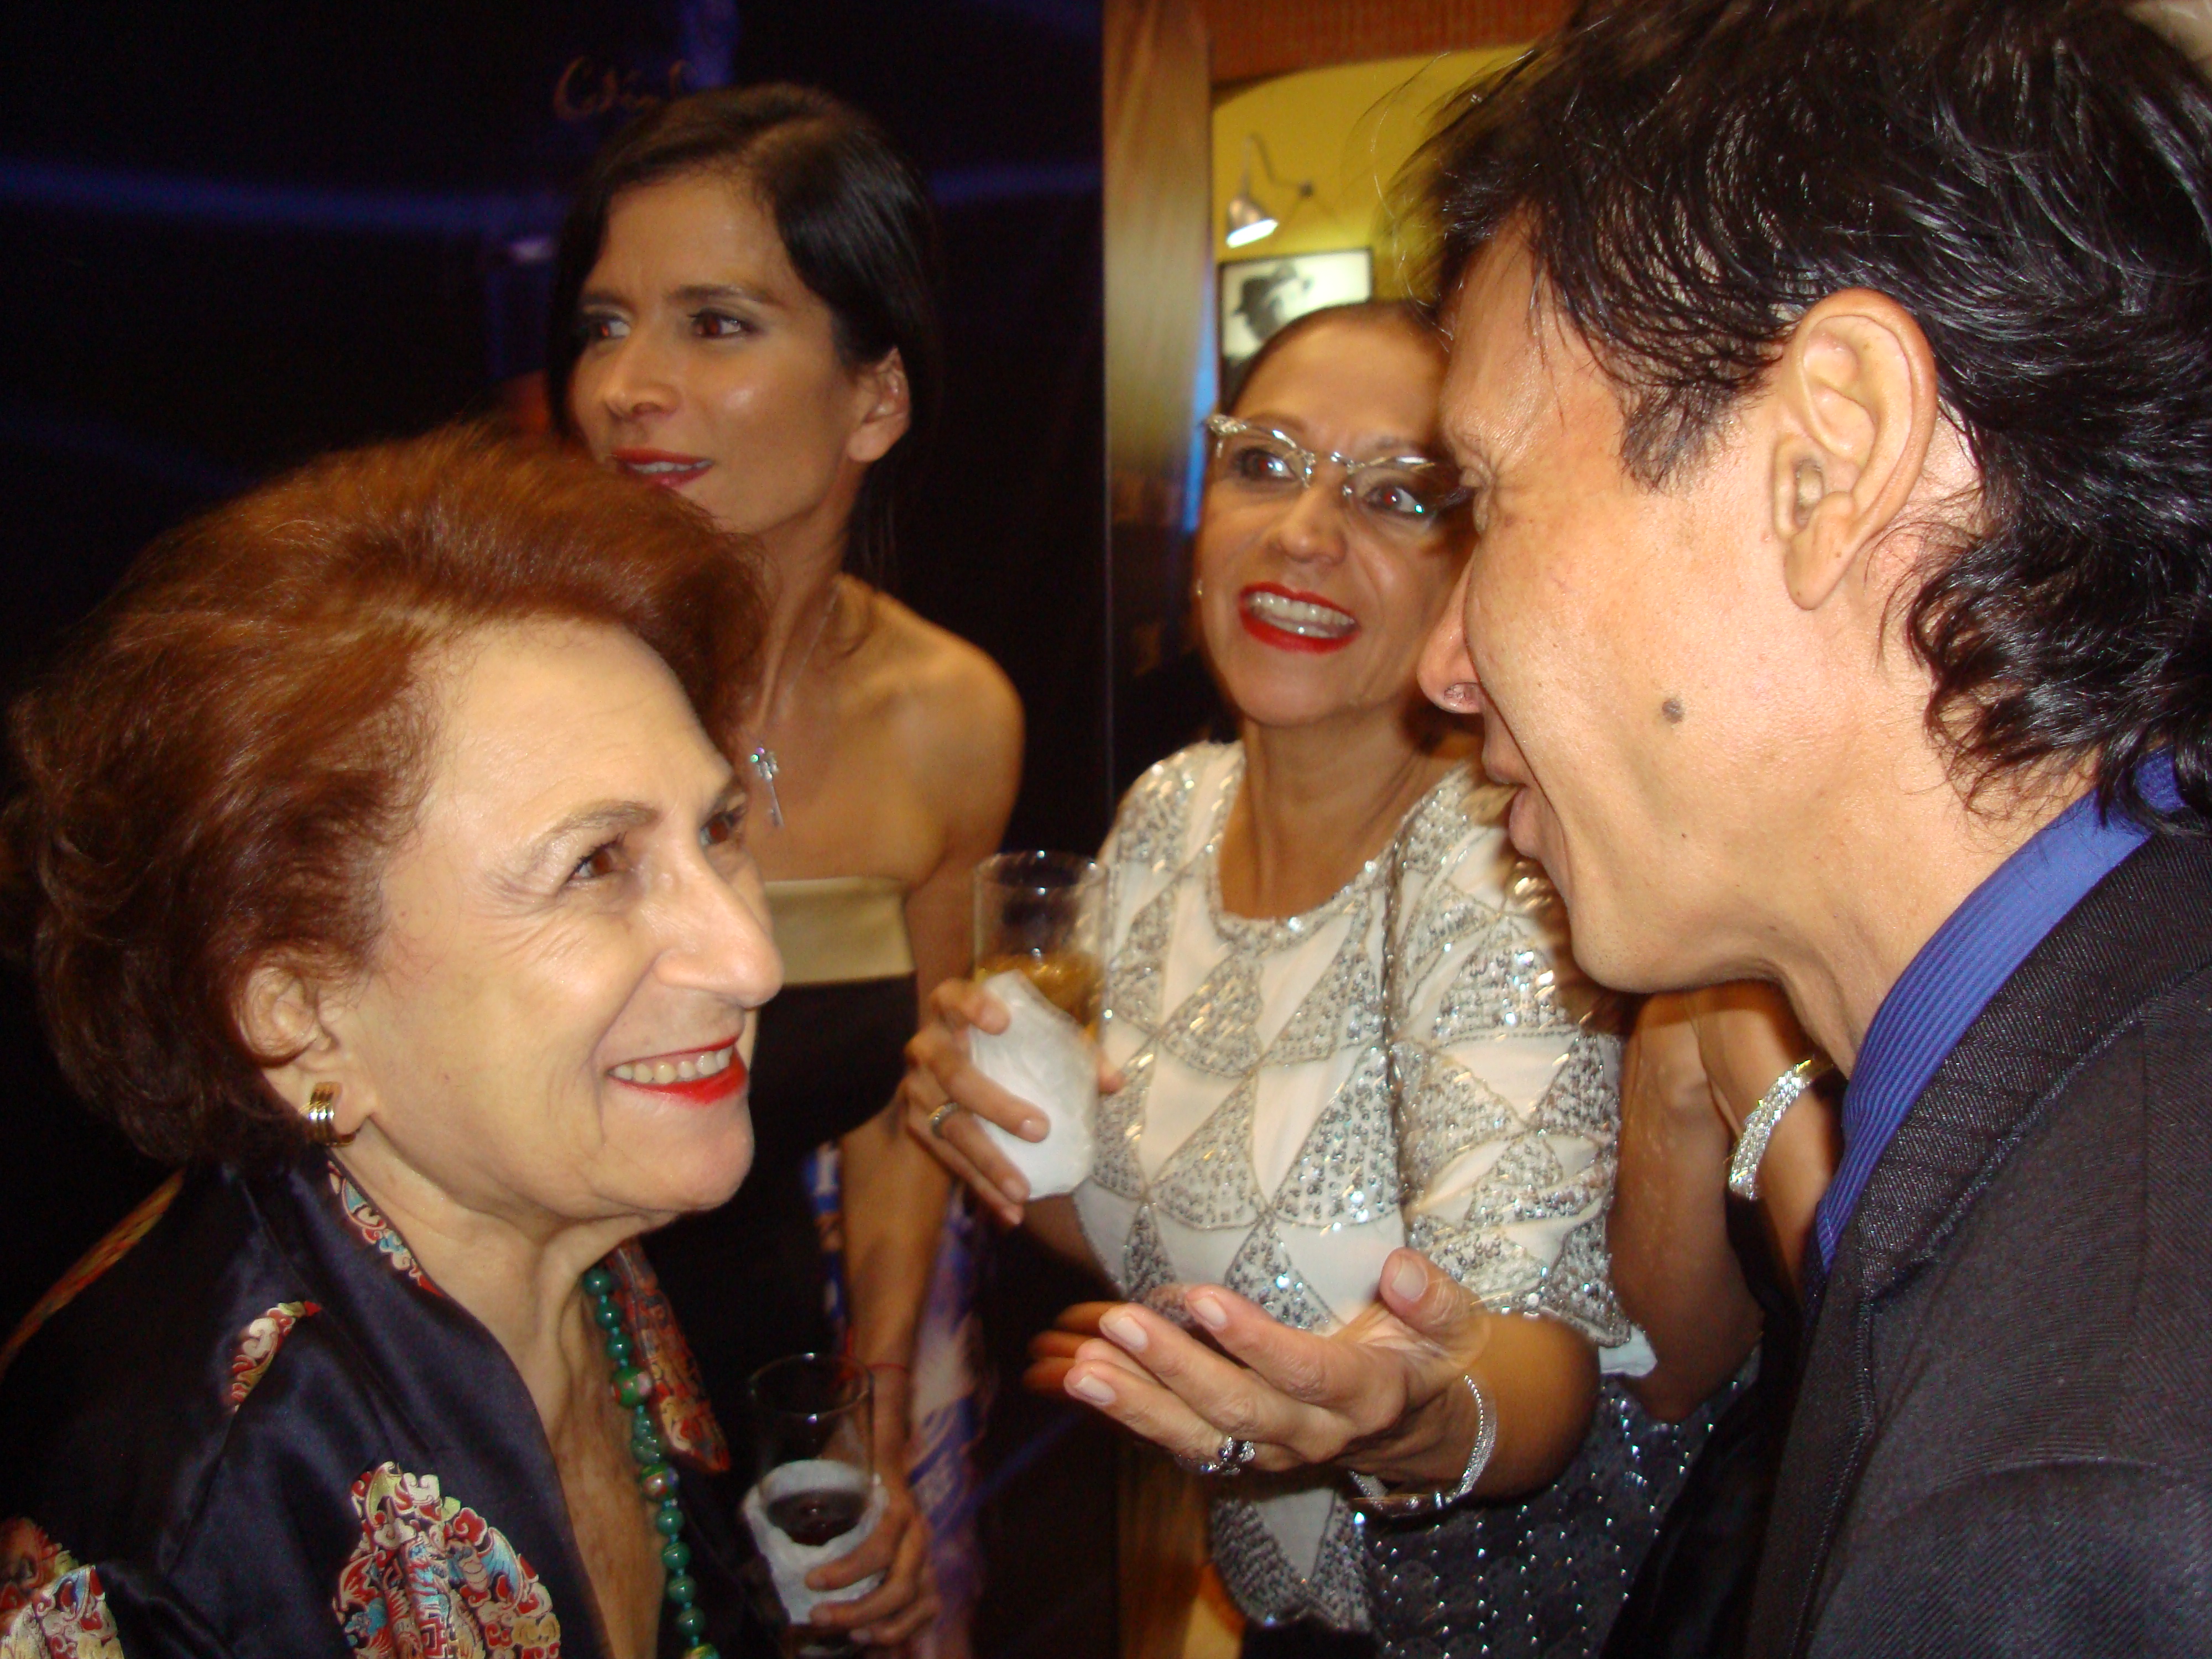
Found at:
(1043, 1058)
(788, 1560)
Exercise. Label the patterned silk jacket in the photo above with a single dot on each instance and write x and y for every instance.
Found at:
(248, 1424)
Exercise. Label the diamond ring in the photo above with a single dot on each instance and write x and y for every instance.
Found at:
(1229, 1458)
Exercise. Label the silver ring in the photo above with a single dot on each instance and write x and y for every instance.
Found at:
(1229, 1458)
(936, 1118)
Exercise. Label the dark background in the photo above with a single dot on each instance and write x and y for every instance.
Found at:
(234, 235)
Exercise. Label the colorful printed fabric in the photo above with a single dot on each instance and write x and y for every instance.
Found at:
(29, 1561)
(50, 1607)
(257, 1345)
(369, 1223)
(431, 1578)
(680, 1399)
(257, 1528)
(946, 1405)
(95, 1261)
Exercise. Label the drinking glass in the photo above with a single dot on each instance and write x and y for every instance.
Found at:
(812, 1430)
(1041, 914)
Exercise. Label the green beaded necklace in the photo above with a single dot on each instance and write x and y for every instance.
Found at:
(655, 1475)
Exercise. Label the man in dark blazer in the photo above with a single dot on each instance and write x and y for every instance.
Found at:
(1834, 380)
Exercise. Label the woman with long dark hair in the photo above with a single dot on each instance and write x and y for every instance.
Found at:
(744, 315)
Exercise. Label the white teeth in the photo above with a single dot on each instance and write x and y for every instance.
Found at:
(687, 1070)
(1311, 622)
(655, 467)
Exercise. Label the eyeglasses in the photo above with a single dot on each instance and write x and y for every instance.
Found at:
(1403, 494)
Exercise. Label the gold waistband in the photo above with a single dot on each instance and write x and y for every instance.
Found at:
(834, 929)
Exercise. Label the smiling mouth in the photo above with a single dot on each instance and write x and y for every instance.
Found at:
(1292, 621)
(698, 1074)
(659, 468)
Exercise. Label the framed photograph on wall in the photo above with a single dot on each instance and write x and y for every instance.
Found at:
(1258, 296)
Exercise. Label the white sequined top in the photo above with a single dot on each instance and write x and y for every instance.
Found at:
(1254, 1144)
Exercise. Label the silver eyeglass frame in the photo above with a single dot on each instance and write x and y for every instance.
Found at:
(1220, 429)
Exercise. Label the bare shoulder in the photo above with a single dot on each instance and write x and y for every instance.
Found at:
(949, 701)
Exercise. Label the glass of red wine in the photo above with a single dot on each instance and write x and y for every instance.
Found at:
(812, 1418)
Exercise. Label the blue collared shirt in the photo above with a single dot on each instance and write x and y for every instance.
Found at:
(1956, 973)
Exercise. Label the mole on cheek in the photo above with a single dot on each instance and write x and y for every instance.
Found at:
(1672, 709)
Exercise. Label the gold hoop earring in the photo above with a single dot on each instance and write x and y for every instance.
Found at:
(323, 1116)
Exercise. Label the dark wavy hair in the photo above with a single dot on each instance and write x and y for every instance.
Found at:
(1411, 315)
(2033, 180)
(216, 773)
(857, 225)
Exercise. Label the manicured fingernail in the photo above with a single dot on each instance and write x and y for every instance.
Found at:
(1085, 1386)
(1035, 1128)
(1209, 1311)
(1408, 1279)
(1125, 1330)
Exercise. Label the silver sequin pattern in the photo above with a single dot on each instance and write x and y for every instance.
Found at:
(1542, 1579)
(1474, 978)
(1345, 1171)
(1268, 1588)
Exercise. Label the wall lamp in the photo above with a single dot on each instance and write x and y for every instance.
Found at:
(1249, 220)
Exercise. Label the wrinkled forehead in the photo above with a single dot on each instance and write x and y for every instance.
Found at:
(530, 712)
(1507, 348)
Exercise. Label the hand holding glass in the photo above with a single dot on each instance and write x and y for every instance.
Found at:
(1037, 923)
(817, 1498)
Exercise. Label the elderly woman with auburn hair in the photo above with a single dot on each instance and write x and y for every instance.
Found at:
(377, 866)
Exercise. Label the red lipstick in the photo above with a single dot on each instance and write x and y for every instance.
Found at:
(1269, 632)
(706, 1090)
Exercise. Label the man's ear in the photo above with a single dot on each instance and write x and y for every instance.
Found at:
(1855, 409)
(281, 1013)
(886, 408)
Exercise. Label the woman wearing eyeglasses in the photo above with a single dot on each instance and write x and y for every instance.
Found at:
(1338, 1012)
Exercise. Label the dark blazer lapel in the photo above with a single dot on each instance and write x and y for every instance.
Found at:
(2145, 926)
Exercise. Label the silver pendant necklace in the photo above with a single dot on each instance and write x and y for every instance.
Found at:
(761, 759)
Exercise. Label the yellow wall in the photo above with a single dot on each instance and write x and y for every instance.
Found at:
(1349, 129)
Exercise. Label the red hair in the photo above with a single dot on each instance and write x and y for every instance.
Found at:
(213, 777)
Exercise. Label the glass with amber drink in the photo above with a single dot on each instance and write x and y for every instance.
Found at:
(1041, 914)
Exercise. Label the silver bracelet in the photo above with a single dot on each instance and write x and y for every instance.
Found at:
(1759, 1128)
(1377, 1499)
